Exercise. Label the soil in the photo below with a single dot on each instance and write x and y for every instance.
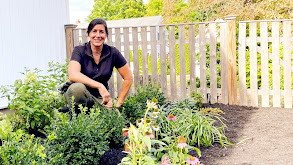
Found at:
(261, 136)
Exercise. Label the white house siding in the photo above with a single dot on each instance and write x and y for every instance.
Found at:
(31, 35)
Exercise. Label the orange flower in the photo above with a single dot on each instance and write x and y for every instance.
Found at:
(125, 131)
(127, 147)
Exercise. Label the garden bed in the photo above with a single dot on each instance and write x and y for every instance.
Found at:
(262, 132)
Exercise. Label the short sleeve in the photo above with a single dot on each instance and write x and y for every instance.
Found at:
(119, 60)
(76, 54)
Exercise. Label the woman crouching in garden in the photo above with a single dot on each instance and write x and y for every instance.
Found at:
(91, 66)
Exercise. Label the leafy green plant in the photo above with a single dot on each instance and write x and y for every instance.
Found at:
(24, 149)
(198, 98)
(78, 139)
(134, 106)
(140, 139)
(143, 147)
(113, 123)
(35, 98)
(20, 148)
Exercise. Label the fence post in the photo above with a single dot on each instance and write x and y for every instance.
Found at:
(231, 54)
(69, 39)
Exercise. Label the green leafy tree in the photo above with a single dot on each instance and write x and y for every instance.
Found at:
(154, 7)
(117, 9)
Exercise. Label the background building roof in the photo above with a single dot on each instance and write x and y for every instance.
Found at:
(143, 21)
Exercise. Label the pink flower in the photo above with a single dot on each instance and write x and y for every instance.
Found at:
(152, 136)
(193, 161)
(181, 142)
(171, 117)
(181, 145)
(166, 161)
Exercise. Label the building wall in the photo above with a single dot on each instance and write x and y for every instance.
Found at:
(31, 35)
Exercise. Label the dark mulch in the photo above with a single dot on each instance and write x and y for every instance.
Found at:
(236, 116)
(112, 157)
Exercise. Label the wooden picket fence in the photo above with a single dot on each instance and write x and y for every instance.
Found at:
(271, 51)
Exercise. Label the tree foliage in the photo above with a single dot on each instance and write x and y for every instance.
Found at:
(182, 11)
(117, 9)
(154, 7)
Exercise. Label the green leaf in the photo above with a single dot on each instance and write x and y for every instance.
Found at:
(147, 141)
(197, 151)
(33, 124)
(147, 160)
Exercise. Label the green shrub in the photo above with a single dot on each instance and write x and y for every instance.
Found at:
(134, 106)
(78, 139)
(114, 124)
(35, 98)
(20, 148)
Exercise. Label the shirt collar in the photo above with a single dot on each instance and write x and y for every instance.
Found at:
(105, 50)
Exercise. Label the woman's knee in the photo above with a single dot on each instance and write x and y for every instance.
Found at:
(77, 90)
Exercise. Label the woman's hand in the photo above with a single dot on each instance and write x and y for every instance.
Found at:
(107, 100)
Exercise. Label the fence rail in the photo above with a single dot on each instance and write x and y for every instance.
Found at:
(252, 69)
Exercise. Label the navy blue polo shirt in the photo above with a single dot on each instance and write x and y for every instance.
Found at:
(110, 58)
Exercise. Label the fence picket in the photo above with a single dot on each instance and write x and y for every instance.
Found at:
(163, 77)
(202, 59)
(192, 61)
(111, 81)
(242, 64)
(264, 64)
(118, 46)
(135, 56)
(287, 64)
(83, 36)
(224, 63)
(144, 55)
(213, 62)
(253, 64)
(276, 63)
(172, 62)
(154, 59)
(182, 65)
(126, 47)
(75, 37)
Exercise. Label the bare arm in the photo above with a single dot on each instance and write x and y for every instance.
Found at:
(75, 75)
(126, 74)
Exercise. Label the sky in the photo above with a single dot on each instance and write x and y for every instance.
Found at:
(80, 9)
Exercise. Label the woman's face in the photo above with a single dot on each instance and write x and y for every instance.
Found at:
(98, 35)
